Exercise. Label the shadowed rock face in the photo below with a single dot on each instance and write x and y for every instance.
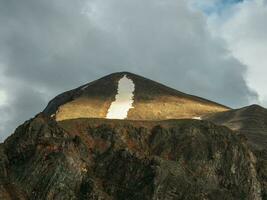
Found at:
(119, 159)
(152, 101)
(250, 121)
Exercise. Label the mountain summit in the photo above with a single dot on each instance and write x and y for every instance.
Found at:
(125, 95)
(66, 153)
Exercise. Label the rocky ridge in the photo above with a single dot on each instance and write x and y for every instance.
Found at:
(120, 159)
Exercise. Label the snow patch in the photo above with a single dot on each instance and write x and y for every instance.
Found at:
(123, 100)
(84, 87)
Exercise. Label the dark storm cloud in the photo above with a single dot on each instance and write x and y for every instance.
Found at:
(24, 102)
(51, 46)
(47, 42)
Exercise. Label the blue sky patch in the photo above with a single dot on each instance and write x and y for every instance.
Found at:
(218, 6)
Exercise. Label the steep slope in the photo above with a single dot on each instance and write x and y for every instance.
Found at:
(121, 159)
(250, 120)
(152, 101)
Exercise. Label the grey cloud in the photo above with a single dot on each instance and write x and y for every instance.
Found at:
(243, 28)
(24, 102)
(53, 46)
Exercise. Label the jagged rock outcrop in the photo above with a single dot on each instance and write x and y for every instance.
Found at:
(120, 159)
(250, 121)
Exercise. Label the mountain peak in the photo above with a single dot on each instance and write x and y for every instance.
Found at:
(137, 97)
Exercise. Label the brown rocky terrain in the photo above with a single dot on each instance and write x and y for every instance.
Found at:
(121, 159)
(251, 122)
(152, 101)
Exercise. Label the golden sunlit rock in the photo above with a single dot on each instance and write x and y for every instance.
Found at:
(151, 101)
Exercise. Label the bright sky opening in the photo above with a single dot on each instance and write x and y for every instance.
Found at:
(3, 97)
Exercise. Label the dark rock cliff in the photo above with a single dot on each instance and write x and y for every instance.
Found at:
(250, 121)
(114, 159)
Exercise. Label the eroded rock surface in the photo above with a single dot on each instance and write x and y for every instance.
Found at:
(251, 122)
(115, 159)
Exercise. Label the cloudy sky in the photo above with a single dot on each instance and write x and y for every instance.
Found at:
(211, 48)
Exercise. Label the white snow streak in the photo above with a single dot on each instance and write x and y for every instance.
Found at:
(123, 100)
